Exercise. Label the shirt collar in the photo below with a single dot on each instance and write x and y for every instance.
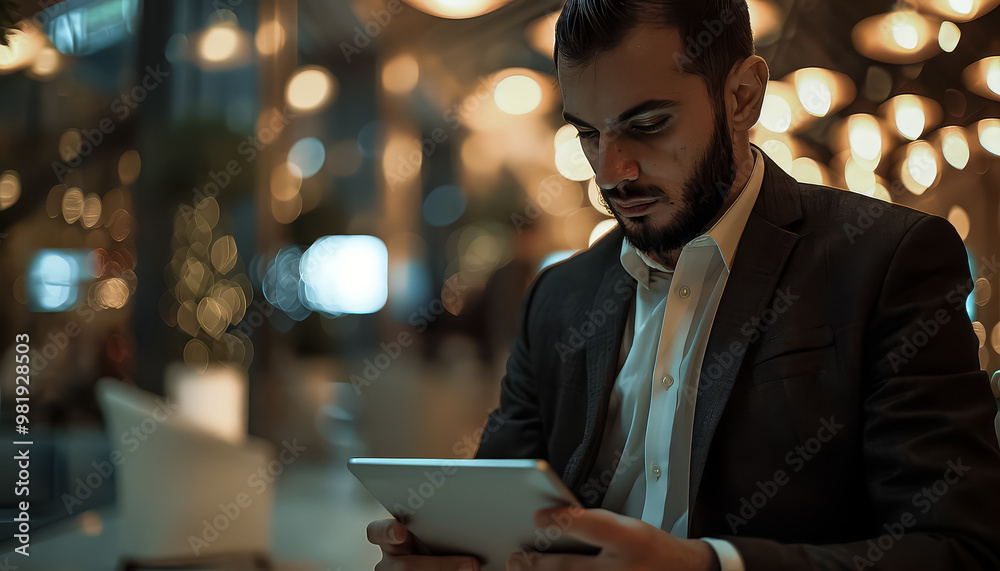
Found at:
(724, 234)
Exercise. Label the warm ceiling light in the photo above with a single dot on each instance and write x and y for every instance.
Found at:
(865, 137)
(993, 78)
(912, 115)
(905, 34)
(948, 36)
(983, 77)
(775, 114)
(956, 10)
(858, 178)
(899, 37)
(822, 91)
(989, 135)
(782, 111)
(961, 6)
(457, 9)
(954, 146)
(806, 170)
(910, 118)
(919, 169)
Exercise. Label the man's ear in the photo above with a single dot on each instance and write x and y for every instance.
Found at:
(745, 92)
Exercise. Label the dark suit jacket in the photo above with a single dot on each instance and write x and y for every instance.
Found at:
(840, 399)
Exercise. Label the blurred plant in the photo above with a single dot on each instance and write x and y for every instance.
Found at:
(8, 18)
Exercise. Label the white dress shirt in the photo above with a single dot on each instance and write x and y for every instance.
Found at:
(650, 422)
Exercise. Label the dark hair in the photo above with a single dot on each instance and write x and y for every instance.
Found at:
(715, 34)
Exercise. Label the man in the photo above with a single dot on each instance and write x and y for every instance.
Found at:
(747, 373)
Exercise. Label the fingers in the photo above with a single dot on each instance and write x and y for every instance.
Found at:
(594, 526)
(426, 563)
(391, 536)
(525, 561)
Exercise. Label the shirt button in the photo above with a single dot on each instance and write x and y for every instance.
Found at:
(656, 472)
(685, 291)
(667, 381)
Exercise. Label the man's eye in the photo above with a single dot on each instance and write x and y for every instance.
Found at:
(587, 134)
(653, 128)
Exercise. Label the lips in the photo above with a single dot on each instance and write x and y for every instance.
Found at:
(634, 202)
(634, 207)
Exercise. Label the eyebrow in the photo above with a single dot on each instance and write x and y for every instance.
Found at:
(644, 107)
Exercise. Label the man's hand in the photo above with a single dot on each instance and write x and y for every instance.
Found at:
(625, 542)
(398, 551)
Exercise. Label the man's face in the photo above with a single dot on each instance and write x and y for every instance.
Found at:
(662, 156)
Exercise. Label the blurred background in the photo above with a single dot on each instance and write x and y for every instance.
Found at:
(246, 240)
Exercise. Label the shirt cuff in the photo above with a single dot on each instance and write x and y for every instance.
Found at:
(729, 557)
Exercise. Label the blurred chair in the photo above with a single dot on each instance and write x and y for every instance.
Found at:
(178, 486)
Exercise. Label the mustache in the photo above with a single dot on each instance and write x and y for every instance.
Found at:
(631, 192)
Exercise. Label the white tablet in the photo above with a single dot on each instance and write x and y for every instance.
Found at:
(484, 508)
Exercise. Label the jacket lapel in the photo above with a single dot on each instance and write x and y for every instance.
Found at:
(601, 350)
(763, 251)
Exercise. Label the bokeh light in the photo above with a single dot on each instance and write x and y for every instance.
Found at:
(219, 43)
(310, 88)
(518, 94)
(308, 155)
(10, 189)
(270, 38)
(602, 228)
(949, 36)
(955, 146)
(345, 274)
(401, 74)
(444, 205)
(989, 135)
(865, 136)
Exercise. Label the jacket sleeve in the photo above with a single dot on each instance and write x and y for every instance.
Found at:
(514, 429)
(932, 464)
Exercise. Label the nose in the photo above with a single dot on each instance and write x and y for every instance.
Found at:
(614, 165)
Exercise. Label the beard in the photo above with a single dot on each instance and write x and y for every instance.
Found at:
(703, 195)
